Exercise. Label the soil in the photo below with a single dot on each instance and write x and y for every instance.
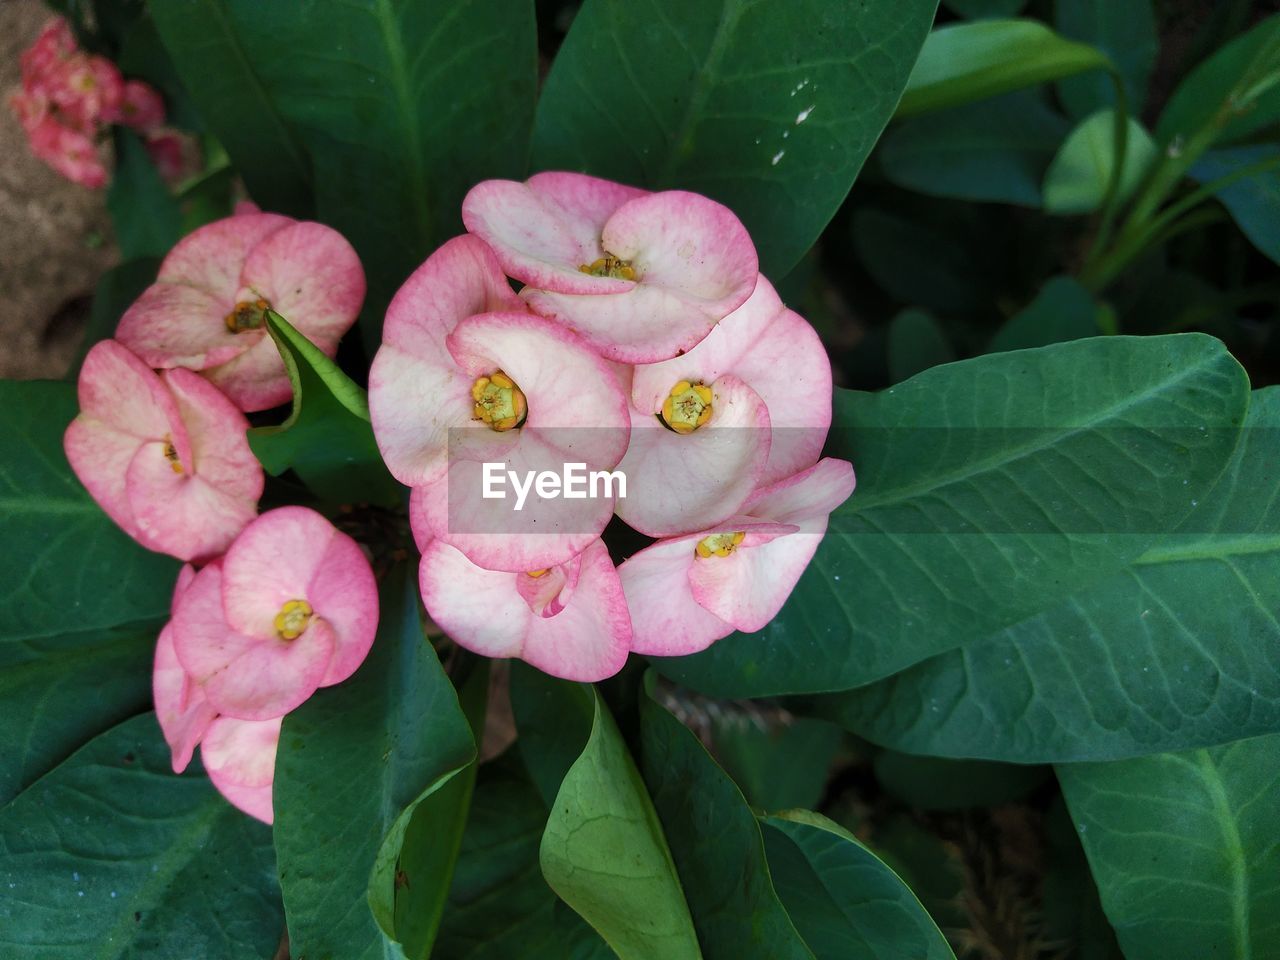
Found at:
(54, 235)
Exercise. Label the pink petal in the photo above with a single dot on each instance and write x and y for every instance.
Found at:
(543, 230)
(181, 514)
(778, 355)
(344, 593)
(666, 620)
(121, 391)
(181, 708)
(100, 456)
(809, 495)
(312, 277)
(240, 758)
(212, 257)
(749, 587)
(254, 379)
(176, 325)
(479, 609)
(678, 483)
(220, 452)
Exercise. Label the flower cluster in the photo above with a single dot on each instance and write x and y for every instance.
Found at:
(644, 340)
(68, 99)
(282, 603)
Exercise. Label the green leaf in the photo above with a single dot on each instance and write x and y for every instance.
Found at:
(936, 783)
(988, 492)
(778, 767)
(402, 106)
(1081, 173)
(113, 856)
(986, 9)
(1184, 850)
(1232, 95)
(716, 842)
(144, 213)
(554, 719)
(1072, 909)
(770, 107)
(919, 264)
(499, 905)
(1254, 201)
(327, 439)
(846, 901)
(1125, 32)
(1174, 650)
(604, 853)
(225, 80)
(916, 343)
(964, 62)
(116, 291)
(1063, 310)
(68, 568)
(354, 763)
(996, 150)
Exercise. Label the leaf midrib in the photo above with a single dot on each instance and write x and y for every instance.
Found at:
(1234, 848)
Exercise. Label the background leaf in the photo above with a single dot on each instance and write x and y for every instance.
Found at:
(981, 502)
(1184, 849)
(916, 343)
(114, 856)
(780, 766)
(1126, 33)
(115, 293)
(1063, 310)
(1253, 202)
(986, 9)
(769, 107)
(936, 783)
(1080, 175)
(144, 213)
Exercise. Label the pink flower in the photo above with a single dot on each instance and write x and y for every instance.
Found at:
(141, 106)
(569, 620)
(173, 154)
(240, 758)
(687, 592)
(291, 607)
(206, 310)
(640, 276)
(453, 387)
(164, 455)
(54, 44)
(181, 707)
(87, 90)
(749, 405)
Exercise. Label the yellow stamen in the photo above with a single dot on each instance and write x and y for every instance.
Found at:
(609, 266)
(171, 454)
(499, 402)
(293, 619)
(719, 544)
(539, 573)
(687, 407)
(248, 315)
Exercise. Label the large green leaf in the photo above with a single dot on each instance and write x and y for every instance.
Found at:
(988, 492)
(769, 106)
(716, 842)
(554, 720)
(1184, 849)
(1080, 177)
(327, 439)
(1072, 908)
(499, 905)
(1125, 32)
(1233, 94)
(1063, 310)
(224, 78)
(1178, 648)
(843, 898)
(66, 567)
(1253, 201)
(997, 150)
(113, 857)
(355, 762)
(144, 213)
(604, 853)
(963, 62)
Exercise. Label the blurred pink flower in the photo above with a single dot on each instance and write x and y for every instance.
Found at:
(141, 106)
(640, 276)
(293, 606)
(70, 152)
(174, 154)
(164, 455)
(206, 311)
(54, 44)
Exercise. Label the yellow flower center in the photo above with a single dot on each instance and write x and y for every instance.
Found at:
(171, 454)
(539, 573)
(719, 544)
(687, 407)
(248, 315)
(499, 402)
(293, 619)
(609, 266)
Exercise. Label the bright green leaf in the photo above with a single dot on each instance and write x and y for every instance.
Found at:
(327, 439)
(354, 763)
(1253, 201)
(1063, 310)
(1079, 177)
(716, 842)
(604, 853)
(1177, 649)
(995, 150)
(916, 343)
(144, 213)
(988, 492)
(112, 856)
(964, 62)
(770, 107)
(1184, 849)
(1125, 32)
(846, 901)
